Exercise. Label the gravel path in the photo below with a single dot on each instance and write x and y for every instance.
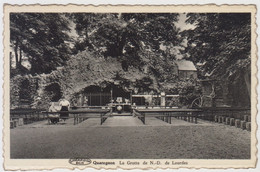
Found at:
(122, 121)
(126, 137)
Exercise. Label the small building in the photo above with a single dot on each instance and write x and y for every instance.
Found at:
(186, 69)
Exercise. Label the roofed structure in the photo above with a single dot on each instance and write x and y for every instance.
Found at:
(186, 69)
(186, 65)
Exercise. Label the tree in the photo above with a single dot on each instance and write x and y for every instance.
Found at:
(134, 39)
(42, 38)
(220, 41)
(123, 34)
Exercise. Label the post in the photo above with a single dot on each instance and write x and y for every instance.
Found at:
(90, 98)
(131, 100)
(196, 114)
(74, 118)
(38, 116)
(48, 118)
(163, 103)
(170, 119)
(101, 119)
(100, 97)
(111, 94)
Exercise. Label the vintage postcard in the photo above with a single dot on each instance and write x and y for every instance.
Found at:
(129, 87)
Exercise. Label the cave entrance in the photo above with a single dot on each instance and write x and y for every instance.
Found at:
(98, 96)
(95, 96)
(119, 94)
(53, 91)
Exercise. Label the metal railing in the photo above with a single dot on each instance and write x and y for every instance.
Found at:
(190, 115)
(28, 115)
(81, 115)
(209, 113)
(165, 114)
(139, 115)
(104, 116)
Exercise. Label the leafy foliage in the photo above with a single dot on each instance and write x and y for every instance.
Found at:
(219, 41)
(23, 88)
(188, 91)
(125, 49)
(125, 35)
(40, 37)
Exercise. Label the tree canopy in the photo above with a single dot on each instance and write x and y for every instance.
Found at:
(133, 50)
(129, 37)
(221, 42)
(40, 37)
(124, 33)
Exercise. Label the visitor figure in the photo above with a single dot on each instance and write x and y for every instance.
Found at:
(65, 104)
(85, 101)
(54, 118)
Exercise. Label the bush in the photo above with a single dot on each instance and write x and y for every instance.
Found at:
(22, 90)
(189, 91)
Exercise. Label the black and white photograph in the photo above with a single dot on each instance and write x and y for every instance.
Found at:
(88, 86)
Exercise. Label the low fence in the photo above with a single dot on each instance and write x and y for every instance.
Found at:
(238, 117)
(237, 113)
(20, 117)
(25, 116)
(155, 107)
(81, 115)
(140, 116)
(190, 115)
(89, 107)
(104, 116)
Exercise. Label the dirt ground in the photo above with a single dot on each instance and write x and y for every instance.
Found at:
(127, 138)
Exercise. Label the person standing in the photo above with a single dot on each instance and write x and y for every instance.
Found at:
(85, 101)
(54, 118)
(65, 104)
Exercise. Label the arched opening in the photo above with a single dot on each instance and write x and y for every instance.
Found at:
(97, 96)
(25, 93)
(53, 91)
(117, 91)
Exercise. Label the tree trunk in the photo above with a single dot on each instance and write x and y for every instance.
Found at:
(247, 81)
(16, 54)
(20, 59)
(121, 44)
(10, 58)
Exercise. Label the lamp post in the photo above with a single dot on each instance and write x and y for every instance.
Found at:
(131, 101)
